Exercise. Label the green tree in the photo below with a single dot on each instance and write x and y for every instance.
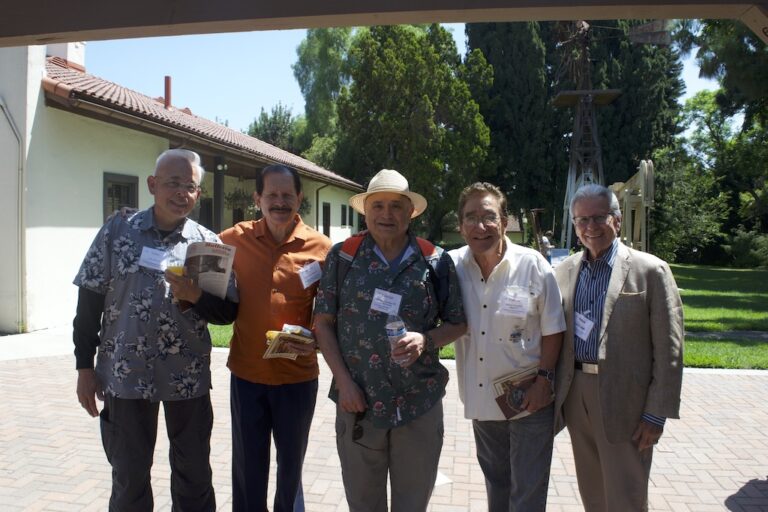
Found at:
(730, 52)
(523, 159)
(319, 71)
(645, 116)
(689, 207)
(276, 128)
(408, 107)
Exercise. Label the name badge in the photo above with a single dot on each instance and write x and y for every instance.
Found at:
(153, 258)
(310, 274)
(583, 326)
(513, 304)
(386, 302)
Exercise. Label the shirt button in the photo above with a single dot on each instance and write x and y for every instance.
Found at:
(481, 385)
(481, 358)
(482, 332)
(485, 305)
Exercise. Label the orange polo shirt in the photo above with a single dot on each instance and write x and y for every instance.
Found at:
(272, 294)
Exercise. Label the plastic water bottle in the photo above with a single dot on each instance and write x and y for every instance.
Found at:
(395, 332)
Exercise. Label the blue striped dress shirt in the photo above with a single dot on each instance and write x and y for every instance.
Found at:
(591, 289)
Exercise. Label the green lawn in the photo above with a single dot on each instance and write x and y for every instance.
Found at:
(721, 299)
(714, 299)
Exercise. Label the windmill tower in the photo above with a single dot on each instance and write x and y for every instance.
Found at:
(586, 161)
(585, 164)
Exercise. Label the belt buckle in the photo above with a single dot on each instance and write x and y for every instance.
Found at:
(589, 368)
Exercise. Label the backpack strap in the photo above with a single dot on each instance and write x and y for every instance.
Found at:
(437, 269)
(347, 253)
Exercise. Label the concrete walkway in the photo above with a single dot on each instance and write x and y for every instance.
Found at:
(714, 458)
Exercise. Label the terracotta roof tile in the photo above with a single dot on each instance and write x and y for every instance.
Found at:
(89, 87)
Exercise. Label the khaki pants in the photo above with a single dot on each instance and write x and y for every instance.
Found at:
(408, 454)
(612, 477)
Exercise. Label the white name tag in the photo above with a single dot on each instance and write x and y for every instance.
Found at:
(310, 274)
(386, 302)
(583, 326)
(513, 304)
(153, 258)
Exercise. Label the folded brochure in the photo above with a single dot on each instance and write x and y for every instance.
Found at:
(510, 392)
(276, 341)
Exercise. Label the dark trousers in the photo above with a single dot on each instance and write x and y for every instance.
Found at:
(260, 412)
(129, 432)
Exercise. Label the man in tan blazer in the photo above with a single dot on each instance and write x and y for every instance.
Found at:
(620, 370)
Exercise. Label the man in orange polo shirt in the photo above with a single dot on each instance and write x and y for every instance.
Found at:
(277, 263)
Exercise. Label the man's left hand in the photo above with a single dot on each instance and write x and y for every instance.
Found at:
(646, 435)
(409, 348)
(183, 288)
(301, 349)
(538, 395)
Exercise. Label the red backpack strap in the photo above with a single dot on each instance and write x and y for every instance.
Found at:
(350, 246)
(428, 249)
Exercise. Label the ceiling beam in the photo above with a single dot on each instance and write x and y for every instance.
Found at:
(31, 22)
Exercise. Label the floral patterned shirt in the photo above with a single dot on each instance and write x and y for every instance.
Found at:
(149, 349)
(395, 395)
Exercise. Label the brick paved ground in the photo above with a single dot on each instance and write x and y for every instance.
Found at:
(715, 458)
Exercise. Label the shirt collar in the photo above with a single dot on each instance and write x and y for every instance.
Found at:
(145, 219)
(609, 258)
(299, 229)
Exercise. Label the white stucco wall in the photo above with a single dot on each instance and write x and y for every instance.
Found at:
(13, 94)
(336, 196)
(68, 157)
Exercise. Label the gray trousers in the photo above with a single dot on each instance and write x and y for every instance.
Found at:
(129, 432)
(408, 454)
(515, 456)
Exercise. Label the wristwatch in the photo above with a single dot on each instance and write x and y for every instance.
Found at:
(547, 374)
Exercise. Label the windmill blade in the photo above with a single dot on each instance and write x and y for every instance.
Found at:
(655, 32)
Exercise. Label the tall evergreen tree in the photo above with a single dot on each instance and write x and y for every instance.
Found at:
(516, 109)
(408, 107)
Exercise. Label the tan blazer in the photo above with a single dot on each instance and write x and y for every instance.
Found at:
(640, 353)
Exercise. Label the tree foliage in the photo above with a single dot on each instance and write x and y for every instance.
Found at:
(690, 208)
(730, 52)
(408, 107)
(277, 128)
(522, 157)
(320, 73)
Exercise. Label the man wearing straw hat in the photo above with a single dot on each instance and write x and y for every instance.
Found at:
(389, 419)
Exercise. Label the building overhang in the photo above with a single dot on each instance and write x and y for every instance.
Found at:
(42, 22)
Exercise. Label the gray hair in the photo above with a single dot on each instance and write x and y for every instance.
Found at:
(595, 191)
(187, 155)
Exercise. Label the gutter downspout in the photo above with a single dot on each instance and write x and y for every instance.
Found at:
(317, 207)
(21, 303)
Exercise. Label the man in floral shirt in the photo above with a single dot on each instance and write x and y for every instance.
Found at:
(389, 419)
(150, 350)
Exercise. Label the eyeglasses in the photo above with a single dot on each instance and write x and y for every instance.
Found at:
(189, 187)
(357, 428)
(584, 221)
(487, 220)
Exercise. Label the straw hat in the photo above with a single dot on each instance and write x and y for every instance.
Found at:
(387, 180)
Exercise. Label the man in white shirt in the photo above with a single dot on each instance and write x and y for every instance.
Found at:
(516, 321)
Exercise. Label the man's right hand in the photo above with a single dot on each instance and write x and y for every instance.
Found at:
(88, 390)
(351, 397)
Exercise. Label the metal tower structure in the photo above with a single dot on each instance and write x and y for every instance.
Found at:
(585, 164)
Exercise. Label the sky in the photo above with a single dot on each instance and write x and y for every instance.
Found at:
(231, 77)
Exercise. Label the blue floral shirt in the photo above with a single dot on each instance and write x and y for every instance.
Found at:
(395, 395)
(149, 349)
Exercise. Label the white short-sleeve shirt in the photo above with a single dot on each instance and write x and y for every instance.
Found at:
(507, 316)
